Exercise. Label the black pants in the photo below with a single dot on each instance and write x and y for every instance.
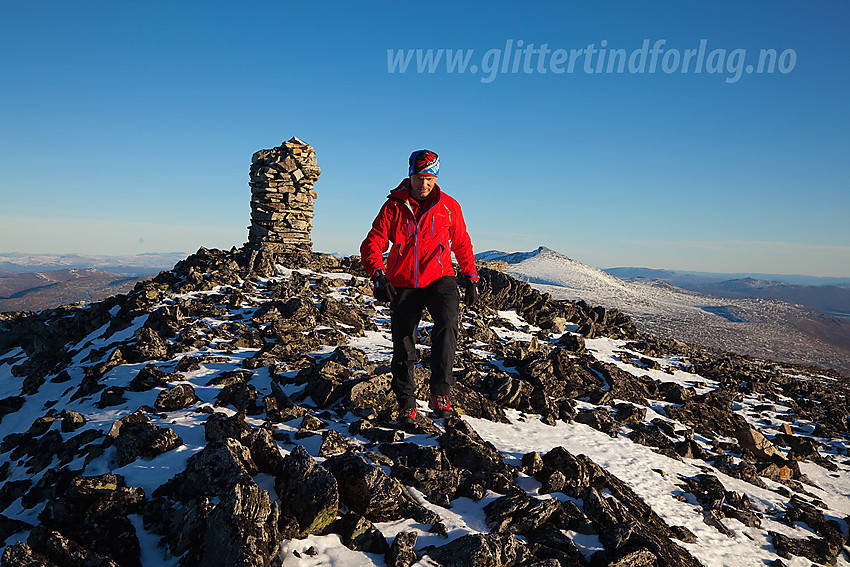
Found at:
(442, 299)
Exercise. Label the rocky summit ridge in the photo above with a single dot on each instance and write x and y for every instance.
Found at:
(240, 403)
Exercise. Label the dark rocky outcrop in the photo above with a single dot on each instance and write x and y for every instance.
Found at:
(370, 492)
(308, 493)
(279, 372)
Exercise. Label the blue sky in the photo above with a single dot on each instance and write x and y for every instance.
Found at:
(128, 127)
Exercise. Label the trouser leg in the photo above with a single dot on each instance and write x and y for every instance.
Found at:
(442, 301)
(406, 311)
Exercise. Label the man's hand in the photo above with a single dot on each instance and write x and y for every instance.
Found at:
(382, 288)
(471, 295)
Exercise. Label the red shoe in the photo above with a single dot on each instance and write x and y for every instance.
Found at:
(441, 406)
(406, 416)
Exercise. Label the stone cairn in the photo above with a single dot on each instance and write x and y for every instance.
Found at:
(282, 198)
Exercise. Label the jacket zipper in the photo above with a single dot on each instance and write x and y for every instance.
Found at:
(416, 240)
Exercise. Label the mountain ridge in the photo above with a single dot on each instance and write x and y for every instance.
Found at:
(237, 410)
(760, 326)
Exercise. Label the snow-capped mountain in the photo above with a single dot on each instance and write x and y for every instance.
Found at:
(237, 411)
(761, 327)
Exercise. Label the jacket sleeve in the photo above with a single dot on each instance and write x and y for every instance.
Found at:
(375, 244)
(462, 245)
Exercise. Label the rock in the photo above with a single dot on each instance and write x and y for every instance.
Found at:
(64, 551)
(555, 483)
(756, 443)
(709, 414)
(231, 378)
(328, 383)
(264, 450)
(71, 420)
(179, 397)
(465, 449)
(149, 377)
(532, 463)
(308, 492)
(11, 404)
(599, 419)
(242, 530)
(708, 490)
(144, 440)
(683, 534)
(551, 544)
(359, 534)
(218, 427)
(573, 343)
(312, 423)
(211, 473)
(149, 346)
(640, 557)
(438, 486)
(372, 394)
(402, 552)
(519, 513)
(812, 548)
(333, 443)
(746, 517)
(678, 394)
(629, 414)
(801, 511)
(282, 195)
(112, 396)
(241, 396)
(22, 555)
(481, 550)
(714, 518)
(367, 490)
(93, 512)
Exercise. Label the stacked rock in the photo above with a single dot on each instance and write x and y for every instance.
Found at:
(282, 198)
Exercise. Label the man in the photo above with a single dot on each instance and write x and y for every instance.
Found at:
(424, 226)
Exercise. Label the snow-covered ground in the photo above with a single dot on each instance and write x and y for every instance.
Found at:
(760, 327)
(653, 477)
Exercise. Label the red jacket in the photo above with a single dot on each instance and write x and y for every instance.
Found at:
(422, 249)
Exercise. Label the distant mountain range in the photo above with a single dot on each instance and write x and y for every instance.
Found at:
(681, 278)
(829, 298)
(798, 323)
(32, 282)
(35, 291)
(129, 265)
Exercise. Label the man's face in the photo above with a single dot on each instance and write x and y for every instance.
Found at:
(422, 185)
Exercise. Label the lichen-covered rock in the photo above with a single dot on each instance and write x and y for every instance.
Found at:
(481, 550)
(242, 530)
(402, 552)
(94, 513)
(370, 492)
(307, 491)
(465, 449)
(360, 534)
(372, 394)
(333, 444)
(519, 513)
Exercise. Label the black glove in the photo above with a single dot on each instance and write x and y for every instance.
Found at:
(382, 288)
(471, 294)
